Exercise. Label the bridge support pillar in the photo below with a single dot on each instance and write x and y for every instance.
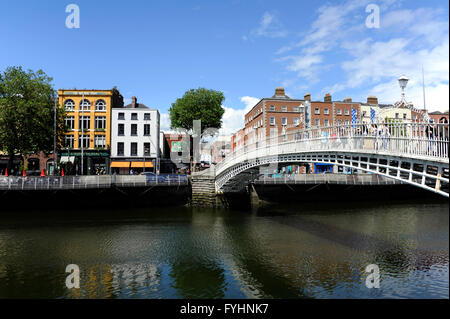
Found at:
(203, 191)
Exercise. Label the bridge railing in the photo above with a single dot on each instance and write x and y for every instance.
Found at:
(394, 138)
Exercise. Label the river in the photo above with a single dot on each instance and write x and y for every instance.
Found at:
(318, 250)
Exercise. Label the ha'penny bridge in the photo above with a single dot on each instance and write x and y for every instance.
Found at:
(414, 154)
(406, 153)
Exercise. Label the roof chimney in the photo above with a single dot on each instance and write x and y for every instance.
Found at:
(327, 97)
(348, 99)
(371, 99)
(279, 91)
(307, 97)
(134, 102)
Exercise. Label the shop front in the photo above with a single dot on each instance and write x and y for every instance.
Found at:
(90, 163)
(132, 167)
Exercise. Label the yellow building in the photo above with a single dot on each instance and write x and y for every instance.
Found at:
(385, 112)
(88, 120)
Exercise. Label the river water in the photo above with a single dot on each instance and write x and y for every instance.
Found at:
(316, 250)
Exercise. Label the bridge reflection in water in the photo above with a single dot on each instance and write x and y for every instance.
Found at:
(316, 251)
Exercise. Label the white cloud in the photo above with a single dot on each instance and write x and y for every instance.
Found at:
(270, 27)
(371, 60)
(164, 122)
(233, 119)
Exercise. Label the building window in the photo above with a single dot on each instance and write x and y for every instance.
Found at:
(339, 122)
(133, 129)
(284, 108)
(272, 107)
(120, 149)
(347, 122)
(284, 137)
(134, 116)
(85, 141)
(339, 112)
(121, 130)
(146, 149)
(121, 116)
(296, 121)
(69, 105)
(100, 141)
(272, 121)
(404, 116)
(283, 121)
(147, 129)
(69, 122)
(100, 122)
(146, 116)
(347, 112)
(317, 111)
(100, 105)
(317, 122)
(364, 113)
(85, 105)
(327, 122)
(69, 141)
(133, 151)
(296, 109)
(84, 123)
(326, 111)
(396, 115)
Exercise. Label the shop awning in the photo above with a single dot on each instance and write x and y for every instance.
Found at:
(141, 164)
(120, 164)
(66, 159)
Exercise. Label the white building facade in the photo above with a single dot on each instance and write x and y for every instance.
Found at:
(135, 134)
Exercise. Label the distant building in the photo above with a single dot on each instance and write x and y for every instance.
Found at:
(135, 138)
(439, 117)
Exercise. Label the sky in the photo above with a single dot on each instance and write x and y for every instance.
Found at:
(157, 50)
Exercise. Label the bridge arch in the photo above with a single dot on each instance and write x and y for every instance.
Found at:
(410, 154)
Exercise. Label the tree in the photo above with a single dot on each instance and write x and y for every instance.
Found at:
(27, 101)
(200, 104)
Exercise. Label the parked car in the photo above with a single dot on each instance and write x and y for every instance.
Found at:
(152, 177)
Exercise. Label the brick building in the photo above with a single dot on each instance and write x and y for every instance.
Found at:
(439, 117)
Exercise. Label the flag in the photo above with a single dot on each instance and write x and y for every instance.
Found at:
(354, 117)
(372, 115)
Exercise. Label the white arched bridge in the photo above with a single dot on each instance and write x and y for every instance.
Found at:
(413, 153)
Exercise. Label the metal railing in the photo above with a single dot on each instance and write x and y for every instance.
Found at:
(411, 139)
(89, 182)
(347, 179)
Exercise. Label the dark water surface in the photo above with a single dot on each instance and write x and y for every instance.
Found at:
(299, 251)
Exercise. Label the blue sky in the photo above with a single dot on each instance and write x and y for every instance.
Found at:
(157, 50)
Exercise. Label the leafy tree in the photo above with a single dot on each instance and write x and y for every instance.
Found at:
(27, 102)
(200, 104)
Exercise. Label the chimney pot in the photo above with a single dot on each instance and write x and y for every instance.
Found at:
(327, 97)
(371, 99)
(348, 99)
(279, 91)
(133, 102)
(307, 97)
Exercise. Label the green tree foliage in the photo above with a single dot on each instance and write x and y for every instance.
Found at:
(27, 102)
(200, 104)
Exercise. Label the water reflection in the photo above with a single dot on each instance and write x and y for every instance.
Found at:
(317, 251)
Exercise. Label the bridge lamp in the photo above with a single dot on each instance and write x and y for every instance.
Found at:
(403, 81)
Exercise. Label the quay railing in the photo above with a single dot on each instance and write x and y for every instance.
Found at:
(333, 178)
(89, 182)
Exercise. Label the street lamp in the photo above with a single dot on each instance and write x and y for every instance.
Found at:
(403, 81)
